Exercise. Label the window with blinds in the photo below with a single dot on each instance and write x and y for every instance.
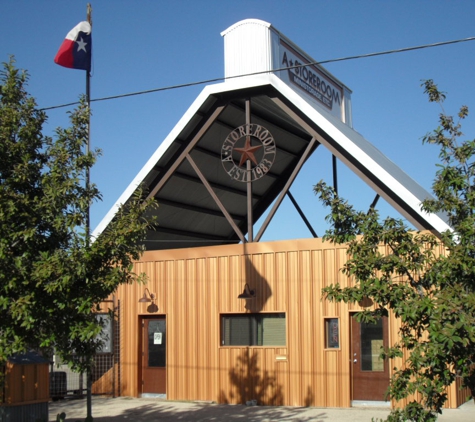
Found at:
(253, 329)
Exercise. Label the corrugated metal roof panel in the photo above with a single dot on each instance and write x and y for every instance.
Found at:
(189, 216)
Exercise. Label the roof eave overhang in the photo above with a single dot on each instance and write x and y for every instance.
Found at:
(388, 180)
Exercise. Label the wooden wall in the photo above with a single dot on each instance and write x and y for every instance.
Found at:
(26, 384)
(195, 286)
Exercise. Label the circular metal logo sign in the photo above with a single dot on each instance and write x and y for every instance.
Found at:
(252, 143)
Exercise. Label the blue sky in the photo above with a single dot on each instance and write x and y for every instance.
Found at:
(142, 45)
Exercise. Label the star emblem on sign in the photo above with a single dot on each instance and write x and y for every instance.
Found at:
(255, 161)
(247, 152)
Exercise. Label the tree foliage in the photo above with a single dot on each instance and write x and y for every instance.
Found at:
(427, 282)
(52, 277)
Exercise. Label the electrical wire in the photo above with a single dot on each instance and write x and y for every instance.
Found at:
(207, 81)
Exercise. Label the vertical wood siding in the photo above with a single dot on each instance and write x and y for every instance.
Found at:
(195, 286)
(25, 384)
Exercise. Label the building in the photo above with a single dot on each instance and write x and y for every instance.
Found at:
(225, 317)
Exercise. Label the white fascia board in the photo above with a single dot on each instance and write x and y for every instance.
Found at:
(152, 161)
(347, 138)
(368, 155)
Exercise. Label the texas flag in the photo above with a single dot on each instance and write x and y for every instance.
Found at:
(75, 51)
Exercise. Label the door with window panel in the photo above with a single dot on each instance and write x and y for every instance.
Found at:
(154, 357)
(370, 373)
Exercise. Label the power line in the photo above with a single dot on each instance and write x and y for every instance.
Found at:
(207, 81)
(400, 50)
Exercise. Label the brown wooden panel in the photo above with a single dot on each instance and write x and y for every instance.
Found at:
(26, 384)
(29, 383)
(194, 286)
(14, 384)
(104, 383)
(281, 286)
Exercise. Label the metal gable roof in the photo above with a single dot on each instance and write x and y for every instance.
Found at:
(201, 205)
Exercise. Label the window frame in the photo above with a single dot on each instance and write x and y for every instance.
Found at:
(326, 335)
(255, 336)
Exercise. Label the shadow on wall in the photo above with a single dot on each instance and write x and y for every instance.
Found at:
(250, 383)
(257, 282)
(309, 398)
(103, 374)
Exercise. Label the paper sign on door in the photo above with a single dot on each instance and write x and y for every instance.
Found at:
(157, 338)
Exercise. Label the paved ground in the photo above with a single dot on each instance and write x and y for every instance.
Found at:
(148, 410)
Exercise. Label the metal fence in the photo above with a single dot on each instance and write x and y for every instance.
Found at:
(64, 382)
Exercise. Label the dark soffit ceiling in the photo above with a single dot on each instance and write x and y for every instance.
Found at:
(189, 216)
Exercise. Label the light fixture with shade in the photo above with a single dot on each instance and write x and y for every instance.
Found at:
(247, 293)
(145, 298)
(366, 302)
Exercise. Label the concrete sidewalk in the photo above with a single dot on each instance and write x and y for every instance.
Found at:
(148, 410)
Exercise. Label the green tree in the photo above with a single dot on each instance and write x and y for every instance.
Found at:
(402, 271)
(52, 278)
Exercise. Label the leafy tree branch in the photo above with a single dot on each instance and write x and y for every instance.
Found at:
(427, 282)
(52, 277)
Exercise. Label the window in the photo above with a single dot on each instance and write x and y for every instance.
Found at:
(332, 335)
(105, 336)
(253, 329)
(371, 344)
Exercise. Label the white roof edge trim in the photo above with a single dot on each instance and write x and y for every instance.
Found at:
(244, 22)
(323, 119)
(153, 160)
(330, 125)
(230, 85)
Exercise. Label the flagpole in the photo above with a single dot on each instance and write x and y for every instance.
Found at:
(81, 58)
(89, 417)
(88, 102)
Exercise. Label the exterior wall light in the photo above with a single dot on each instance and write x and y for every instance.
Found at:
(149, 298)
(247, 293)
(366, 302)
